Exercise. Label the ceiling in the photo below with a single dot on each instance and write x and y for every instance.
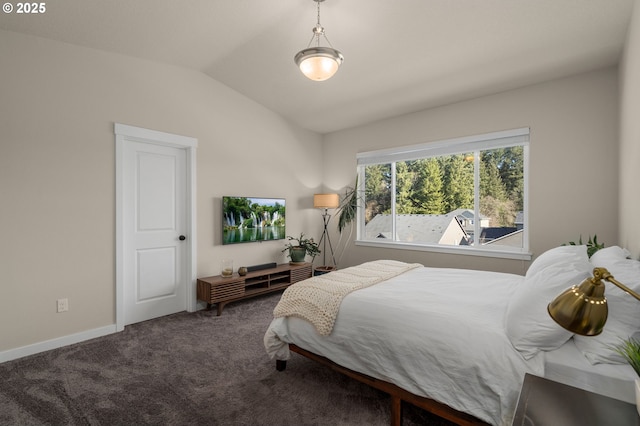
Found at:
(401, 56)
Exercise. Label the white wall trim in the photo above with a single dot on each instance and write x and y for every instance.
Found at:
(462, 250)
(125, 133)
(56, 343)
(145, 135)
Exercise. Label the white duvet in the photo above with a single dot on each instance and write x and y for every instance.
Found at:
(434, 332)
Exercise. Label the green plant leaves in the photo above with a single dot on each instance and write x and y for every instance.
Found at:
(592, 244)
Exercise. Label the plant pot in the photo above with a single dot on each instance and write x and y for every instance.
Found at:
(320, 270)
(637, 388)
(297, 254)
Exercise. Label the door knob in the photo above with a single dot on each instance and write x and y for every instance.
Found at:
(182, 238)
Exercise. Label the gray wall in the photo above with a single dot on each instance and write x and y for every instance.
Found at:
(58, 104)
(630, 138)
(574, 131)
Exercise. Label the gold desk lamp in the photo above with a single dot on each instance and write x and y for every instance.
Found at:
(582, 309)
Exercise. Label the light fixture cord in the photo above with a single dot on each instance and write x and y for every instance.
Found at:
(318, 30)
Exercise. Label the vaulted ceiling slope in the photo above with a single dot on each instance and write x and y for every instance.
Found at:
(400, 56)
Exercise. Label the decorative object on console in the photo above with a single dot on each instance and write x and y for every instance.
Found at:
(261, 266)
(226, 267)
(326, 202)
(242, 271)
(247, 219)
(298, 252)
(318, 63)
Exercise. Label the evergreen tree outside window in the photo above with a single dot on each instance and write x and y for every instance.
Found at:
(464, 195)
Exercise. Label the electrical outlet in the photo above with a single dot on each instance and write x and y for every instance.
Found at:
(63, 305)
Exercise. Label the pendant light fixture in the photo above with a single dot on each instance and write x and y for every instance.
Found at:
(319, 63)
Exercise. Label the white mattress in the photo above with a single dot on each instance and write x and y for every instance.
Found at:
(439, 333)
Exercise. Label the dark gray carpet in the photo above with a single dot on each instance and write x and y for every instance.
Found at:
(188, 369)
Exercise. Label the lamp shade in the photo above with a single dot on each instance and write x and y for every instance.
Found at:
(326, 201)
(319, 63)
(581, 309)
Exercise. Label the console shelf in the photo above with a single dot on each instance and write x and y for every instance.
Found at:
(221, 290)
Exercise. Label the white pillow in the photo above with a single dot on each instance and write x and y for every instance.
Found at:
(527, 322)
(609, 256)
(624, 310)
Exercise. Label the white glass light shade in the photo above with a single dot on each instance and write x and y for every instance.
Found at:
(319, 63)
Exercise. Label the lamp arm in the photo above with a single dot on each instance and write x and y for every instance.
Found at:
(605, 275)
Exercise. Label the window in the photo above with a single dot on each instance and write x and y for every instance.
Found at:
(465, 195)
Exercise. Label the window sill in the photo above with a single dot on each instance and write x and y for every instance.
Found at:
(460, 250)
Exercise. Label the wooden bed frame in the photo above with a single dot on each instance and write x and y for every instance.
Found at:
(397, 394)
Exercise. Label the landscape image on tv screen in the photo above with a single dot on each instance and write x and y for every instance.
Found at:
(246, 219)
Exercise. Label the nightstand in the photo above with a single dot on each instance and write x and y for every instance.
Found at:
(544, 402)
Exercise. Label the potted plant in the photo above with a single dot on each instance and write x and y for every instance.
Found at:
(301, 248)
(629, 349)
(592, 245)
(347, 212)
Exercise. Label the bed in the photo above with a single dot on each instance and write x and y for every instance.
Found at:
(453, 341)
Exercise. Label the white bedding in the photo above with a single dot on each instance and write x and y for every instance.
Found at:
(440, 333)
(434, 332)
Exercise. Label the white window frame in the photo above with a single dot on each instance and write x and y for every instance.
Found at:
(475, 144)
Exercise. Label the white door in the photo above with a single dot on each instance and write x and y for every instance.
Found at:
(154, 225)
(154, 228)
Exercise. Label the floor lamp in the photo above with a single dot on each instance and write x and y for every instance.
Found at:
(326, 202)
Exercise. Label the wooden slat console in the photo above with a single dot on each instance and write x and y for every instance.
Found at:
(221, 290)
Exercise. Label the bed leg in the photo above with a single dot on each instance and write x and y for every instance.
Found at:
(396, 411)
(281, 365)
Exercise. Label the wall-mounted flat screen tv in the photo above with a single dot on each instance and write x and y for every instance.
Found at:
(249, 219)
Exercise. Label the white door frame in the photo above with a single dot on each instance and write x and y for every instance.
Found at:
(124, 134)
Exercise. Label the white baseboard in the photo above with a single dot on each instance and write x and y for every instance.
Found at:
(47, 345)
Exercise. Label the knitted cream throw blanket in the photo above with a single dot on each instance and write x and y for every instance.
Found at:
(318, 298)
